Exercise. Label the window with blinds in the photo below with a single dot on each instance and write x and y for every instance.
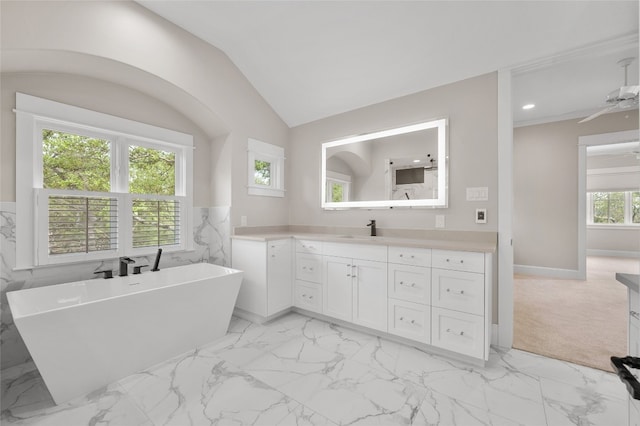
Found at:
(94, 186)
(156, 223)
(82, 224)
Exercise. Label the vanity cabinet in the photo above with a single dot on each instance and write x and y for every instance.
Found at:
(355, 284)
(439, 298)
(267, 283)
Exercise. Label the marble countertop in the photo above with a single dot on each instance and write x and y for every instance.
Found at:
(470, 245)
(630, 280)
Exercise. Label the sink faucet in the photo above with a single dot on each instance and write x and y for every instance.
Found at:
(372, 224)
(124, 261)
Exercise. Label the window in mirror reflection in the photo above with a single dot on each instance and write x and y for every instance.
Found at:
(262, 173)
(338, 187)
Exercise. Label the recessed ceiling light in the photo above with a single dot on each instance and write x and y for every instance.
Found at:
(529, 106)
(416, 161)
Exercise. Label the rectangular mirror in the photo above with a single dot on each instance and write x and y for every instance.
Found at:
(400, 167)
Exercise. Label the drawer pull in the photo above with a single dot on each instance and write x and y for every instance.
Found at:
(461, 261)
(304, 267)
(461, 292)
(402, 283)
(455, 333)
(412, 322)
(305, 296)
(401, 255)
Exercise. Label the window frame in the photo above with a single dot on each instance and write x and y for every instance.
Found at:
(341, 179)
(628, 211)
(273, 154)
(33, 114)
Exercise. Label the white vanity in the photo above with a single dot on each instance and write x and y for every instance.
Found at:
(435, 295)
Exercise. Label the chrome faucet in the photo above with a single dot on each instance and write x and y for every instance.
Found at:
(372, 224)
(124, 262)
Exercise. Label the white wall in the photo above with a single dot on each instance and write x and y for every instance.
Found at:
(545, 186)
(471, 107)
(124, 43)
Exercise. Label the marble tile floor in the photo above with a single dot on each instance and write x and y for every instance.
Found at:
(302, 371)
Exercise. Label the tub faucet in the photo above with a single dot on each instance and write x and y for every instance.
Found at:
(124, 261)
(372, 224)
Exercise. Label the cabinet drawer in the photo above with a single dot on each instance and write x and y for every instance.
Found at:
(410, 256)
(410, 320)
(411, 283)
(458, 260)
(309, 267)
(308, 296)
(460, 291)
(309, 246)
(458, 332)
(356, 251)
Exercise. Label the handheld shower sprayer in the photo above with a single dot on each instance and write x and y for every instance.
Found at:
(157, 262)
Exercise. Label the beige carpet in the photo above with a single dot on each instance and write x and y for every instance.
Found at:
(584, 322)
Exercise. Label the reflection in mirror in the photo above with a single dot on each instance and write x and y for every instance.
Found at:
(399, 167)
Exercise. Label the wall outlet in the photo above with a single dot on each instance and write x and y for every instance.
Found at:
(243, 221)
(439, 221)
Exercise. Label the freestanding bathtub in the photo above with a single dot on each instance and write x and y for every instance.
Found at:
(84, 335)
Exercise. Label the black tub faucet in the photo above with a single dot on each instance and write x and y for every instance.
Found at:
(372, 224)
(124, 262)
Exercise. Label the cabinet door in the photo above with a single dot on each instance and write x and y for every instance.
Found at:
(337, 287)
(279, 279)
(370, 294)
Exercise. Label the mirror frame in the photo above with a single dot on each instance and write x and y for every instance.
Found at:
(443, 159)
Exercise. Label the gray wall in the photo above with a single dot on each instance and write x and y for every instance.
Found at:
(545, 186)
(471, 107)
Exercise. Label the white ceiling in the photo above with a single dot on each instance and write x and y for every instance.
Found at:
(315, 59)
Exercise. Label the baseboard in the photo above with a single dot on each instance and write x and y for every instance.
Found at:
(614, 253)
(541, 271)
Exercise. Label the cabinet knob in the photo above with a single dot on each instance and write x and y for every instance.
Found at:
(401, 255)
(412, 256)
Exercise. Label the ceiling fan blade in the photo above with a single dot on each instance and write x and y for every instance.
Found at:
(599, 113)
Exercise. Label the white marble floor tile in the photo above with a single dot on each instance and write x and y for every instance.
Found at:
(107, 406)
(247, 341)
(200, 389)
(303, 416)
(354, 393)
(561, 371)
(440, 410)
(292, 360)
(497, 390)
(567, 405)
(335, 338)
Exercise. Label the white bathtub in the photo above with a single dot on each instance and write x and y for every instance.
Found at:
(84, 335)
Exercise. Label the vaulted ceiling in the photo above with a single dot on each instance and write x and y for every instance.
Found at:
(314, 59)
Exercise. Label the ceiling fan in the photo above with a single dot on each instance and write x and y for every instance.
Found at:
(623, 98)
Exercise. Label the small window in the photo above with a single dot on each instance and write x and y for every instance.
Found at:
(338, 187)
(265, 169)
(262, 172)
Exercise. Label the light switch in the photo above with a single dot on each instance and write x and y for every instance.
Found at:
(439, 221)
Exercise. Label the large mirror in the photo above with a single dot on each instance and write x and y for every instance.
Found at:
(401, 167)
